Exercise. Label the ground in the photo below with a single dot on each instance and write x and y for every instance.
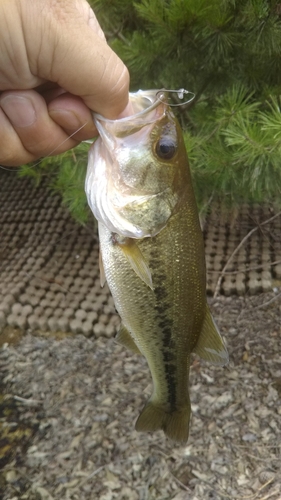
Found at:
(68, 402)
(71, 402)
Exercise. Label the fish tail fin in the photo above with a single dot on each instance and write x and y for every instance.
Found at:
(175, 424)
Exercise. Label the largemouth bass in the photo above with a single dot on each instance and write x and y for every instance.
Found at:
(139, 188)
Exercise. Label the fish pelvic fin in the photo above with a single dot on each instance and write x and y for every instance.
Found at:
(175, 424)
(136, 260)
(124, 337)
(210, 345)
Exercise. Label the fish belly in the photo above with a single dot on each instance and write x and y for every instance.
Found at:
(164, 322)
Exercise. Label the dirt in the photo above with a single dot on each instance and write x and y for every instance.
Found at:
(70, 404)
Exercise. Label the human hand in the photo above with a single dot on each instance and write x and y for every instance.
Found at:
(55, 66)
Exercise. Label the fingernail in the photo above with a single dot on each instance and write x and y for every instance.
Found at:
(19, 110)
(66, 119)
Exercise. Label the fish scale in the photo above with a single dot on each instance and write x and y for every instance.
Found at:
(159, 320)
(153, 254)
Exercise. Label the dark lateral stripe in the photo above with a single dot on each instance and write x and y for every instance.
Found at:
(165, 324)
(170, 378)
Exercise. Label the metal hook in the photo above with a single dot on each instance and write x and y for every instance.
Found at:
(180, 93)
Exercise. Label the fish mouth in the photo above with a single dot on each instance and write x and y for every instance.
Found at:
(116, 194)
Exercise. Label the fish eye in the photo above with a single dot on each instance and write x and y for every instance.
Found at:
(166, 148)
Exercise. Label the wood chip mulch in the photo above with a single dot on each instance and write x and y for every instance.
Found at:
(81, 396)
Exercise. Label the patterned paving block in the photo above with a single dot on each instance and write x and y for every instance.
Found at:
(49, 270)
(243, 250)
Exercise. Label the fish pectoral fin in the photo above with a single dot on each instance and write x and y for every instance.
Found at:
(210, 345)
(124, 337)
(102, 273)
(136, 260)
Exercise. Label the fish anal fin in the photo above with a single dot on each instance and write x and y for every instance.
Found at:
(210, 345)
(136, 260)
(175, 424)
(102, 273)
(124, 337)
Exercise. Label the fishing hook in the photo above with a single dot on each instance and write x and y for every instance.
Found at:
(180, 94)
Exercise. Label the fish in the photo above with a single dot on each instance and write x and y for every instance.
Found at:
(139, 188)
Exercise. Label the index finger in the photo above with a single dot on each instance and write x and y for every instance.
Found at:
(81, 62)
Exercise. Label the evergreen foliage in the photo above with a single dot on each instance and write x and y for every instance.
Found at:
(66, 175)
(228, 52)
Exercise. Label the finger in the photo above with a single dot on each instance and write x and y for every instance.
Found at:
(89, 16)
(27, 131)
(77, 58)
(12, 151)
(66, 105)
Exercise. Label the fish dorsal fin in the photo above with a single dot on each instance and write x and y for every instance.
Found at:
(102, 273)
(210, 345)
(136, 260)
(123, 337)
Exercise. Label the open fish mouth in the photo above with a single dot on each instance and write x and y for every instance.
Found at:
(124, 183)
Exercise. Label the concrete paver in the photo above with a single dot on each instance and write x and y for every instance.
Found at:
(49, 271)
